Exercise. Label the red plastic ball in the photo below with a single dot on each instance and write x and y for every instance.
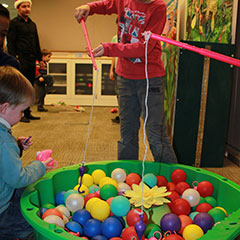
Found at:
(173, 196)
(185, 221)
(203, 207)
(52, 211)
(181, 187)
(181, 207)
(130, 233)
(115, 238)
(133, 178)
(133, 217)
(161, 181)
(178, 175)
(205, 189)
(173, 237)
(171, 186)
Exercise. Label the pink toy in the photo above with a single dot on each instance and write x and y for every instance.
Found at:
(202, 51)
(44, 155)
(88, 42)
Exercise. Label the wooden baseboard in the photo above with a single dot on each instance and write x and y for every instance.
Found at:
(232, 154)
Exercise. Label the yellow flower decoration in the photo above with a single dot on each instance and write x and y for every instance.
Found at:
(151, 196)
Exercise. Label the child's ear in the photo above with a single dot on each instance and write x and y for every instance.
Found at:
(4, 107)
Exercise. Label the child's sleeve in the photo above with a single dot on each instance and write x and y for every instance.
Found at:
(37, 73)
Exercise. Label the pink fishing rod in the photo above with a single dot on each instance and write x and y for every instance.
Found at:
(202, 51)
(88, 43)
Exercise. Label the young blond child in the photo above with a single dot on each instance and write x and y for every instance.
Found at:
(43, 80)
(16, 94)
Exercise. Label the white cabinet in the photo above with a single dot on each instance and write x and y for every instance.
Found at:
(75, 81)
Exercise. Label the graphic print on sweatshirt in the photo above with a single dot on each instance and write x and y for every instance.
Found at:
(129, 27)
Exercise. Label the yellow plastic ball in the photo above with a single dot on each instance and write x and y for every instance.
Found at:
(192, 232)
(91, 202)
(87, 180)
(97, 175)
(108, 180)
(100, 210)
(83, 189)
(222, 210)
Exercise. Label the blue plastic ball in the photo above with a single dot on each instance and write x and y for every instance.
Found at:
(112, 227)
(59, 198)
(170, 222)
(99, 237)
(121, 220)
(74, 227)
(92, 228)
(120, 206)
(81, 216)
(150, 179)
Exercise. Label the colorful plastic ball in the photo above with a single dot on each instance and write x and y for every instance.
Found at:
(181, 187)
(192, 232)
(63, 210)
(87, 180)
(74, 202)
(202, 200)
(100, 210)
(193, 214)
(93, 189)
(97, 175)
(133, 217)
(119, 175)
(112, 227)
(205, 189)
(217, 214)
(121, 220)
(152, 230)
(89, 196)
(42, 211)
(161, 181)
(99, 237)
(107, 191)
(59, 198)
(150, 180)
(185, 221)
(178, 175)
(212, 201)
(120, 206)
(171, 186)
(91, 202)
(52, 211)
(83, 190)
(173, 236)
(204, 220)
(67, 193)
(122, 187)
(81, 216)
(92, 228)
(192, 196)
(54, 219)
(74, 227)
(65, 219)
(221, 208)
(173, 196)
(116, 238)
(170, 222)
(181, 207)
(129, 233)
(107, 180)
(133, 178)
(203, 207)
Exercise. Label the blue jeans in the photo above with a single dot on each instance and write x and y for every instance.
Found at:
(131, 105)
(12, 223)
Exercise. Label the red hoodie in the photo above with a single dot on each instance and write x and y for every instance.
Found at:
(134, 18)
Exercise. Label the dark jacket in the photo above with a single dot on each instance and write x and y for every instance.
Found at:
(8, 60)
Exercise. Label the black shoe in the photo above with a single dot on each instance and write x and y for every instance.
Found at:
(116, 120)
(42, 109)
(31, 117)
(25, 120)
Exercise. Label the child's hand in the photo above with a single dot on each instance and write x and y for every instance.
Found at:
(82, 12)
(46, 162)
(26, 142)
(98, 51)
(41, 79)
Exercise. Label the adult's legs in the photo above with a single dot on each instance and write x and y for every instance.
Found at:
(48, 79)
(129, 113)
(156, 126)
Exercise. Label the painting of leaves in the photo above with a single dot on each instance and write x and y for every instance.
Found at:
(209, 20)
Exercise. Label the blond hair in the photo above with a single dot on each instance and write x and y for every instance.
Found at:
(14, 87)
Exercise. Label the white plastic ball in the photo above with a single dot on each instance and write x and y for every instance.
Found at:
(74, 202)
(119, 175)
(122, 187)
(54, 219)
(192, 196)
(65, 219)
(63, 210)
